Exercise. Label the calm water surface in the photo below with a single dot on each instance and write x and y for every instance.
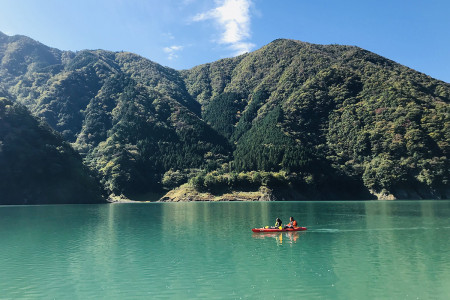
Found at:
(352, 250)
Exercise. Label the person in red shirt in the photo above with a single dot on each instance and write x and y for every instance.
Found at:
(292, 223)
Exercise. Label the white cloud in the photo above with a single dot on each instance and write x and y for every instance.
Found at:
(242, 47)
(172, 51)
(234, 18)
(168, 35)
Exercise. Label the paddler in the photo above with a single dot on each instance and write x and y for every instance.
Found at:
(292, 223)
(278, 223)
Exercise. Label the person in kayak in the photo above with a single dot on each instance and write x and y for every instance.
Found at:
(292, 223)
(278, 223)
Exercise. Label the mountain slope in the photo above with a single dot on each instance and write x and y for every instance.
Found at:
(130, 118)
(329, 111)
(37, 166)
(320, 119)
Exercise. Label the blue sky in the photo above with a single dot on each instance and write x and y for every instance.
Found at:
(184, 33)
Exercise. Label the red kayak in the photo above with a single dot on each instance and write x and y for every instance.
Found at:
(278, 229)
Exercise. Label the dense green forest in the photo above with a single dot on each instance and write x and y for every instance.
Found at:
(37, 166)
(331, 116)
(319, 119)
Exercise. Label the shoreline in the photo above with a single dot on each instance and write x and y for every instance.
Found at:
(186, 193)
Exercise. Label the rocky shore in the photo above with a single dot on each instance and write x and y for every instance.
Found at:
(187, 193)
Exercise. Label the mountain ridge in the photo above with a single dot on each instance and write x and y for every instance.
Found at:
(305, 113)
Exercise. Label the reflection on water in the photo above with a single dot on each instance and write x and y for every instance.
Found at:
(352, 250)
(287, 237)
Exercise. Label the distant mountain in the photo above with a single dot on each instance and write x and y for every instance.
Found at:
(37, 166)
(330, 122)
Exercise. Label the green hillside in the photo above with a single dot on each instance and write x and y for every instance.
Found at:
(37, 166)
(332, 112)
(131, 119)
(321, 121)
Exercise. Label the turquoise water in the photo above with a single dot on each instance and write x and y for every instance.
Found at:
(352, 250)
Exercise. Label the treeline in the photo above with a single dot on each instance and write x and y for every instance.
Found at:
(218, 183)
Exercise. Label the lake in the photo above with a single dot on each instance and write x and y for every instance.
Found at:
(351, 250)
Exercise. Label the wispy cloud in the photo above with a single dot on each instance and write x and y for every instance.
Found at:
(168, 35)
(233, 16)
(172, 51)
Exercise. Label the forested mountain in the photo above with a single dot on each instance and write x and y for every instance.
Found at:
(131, 119)
(37, 166)
(329, 121)
(330, 111)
